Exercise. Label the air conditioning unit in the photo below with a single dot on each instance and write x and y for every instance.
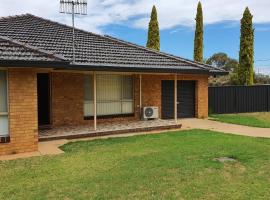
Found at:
(150, 112)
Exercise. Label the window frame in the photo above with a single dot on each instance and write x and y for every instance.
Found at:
(122, 100)
(6, 113)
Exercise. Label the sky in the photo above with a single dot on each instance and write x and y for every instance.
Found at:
(128, 20)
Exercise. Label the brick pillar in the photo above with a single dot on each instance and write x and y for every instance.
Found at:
(23, 125)
(202, 97)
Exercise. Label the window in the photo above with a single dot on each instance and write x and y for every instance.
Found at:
(114, 95)
(3, 104)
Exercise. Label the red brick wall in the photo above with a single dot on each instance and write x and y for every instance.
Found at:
(22, 88)
(67, 98)
(202, 97)
(151, 91)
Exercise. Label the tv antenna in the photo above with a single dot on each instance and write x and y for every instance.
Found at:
(73, 7)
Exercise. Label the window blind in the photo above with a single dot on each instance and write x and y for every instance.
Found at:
(114, 95)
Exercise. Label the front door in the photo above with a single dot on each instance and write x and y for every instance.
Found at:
(167, 99)
(44, 99)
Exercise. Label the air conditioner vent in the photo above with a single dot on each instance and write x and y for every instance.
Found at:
(150, 112)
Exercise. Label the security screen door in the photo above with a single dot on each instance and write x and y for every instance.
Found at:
(4, 130)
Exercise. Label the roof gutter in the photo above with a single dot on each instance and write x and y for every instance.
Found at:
(66, 65)
(34, 64)
(131, 69)
(139, 69)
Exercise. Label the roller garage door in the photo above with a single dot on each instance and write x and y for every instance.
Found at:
(185, 99)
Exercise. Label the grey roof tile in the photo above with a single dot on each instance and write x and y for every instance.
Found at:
(91, 49)
(14, 50)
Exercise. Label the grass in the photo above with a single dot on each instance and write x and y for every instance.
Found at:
(261, 120)
(175, 165)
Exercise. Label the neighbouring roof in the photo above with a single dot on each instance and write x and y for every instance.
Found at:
(38, 38)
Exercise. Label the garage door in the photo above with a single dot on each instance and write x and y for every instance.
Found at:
(185, 99)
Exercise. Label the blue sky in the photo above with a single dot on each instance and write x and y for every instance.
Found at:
(128, 20)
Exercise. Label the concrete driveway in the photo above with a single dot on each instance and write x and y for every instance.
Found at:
(224, 127)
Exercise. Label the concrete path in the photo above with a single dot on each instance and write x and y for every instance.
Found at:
(44, 148)
(224, 127)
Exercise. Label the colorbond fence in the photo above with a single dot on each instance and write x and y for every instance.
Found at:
(239, 99)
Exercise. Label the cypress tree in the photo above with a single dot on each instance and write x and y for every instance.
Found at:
(153, 41)
(246, 53)
(198, 39)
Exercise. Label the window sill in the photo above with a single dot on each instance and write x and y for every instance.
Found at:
(109, 116)
(4, 139)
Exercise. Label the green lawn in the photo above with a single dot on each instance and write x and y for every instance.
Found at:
(175, 165)
(248, 119)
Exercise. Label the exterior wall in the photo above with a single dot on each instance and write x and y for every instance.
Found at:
(68, 97)
(202, 97)
(23, 128)
(68, 100)
(67, 91)
(151, 91)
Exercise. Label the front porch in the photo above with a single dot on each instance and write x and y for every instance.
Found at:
(108, 128)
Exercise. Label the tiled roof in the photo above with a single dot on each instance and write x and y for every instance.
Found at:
(14, 50)
(91, 49)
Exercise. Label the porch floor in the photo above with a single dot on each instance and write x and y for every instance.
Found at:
(73, 132)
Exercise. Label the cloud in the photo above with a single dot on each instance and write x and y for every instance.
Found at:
(175, 30)
(181, 29)
(135, 13)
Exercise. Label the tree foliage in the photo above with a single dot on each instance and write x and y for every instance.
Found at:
(153, 41)
(198, 39)
(231, 79)
(223, 61)
(261, 79)
(246, 53)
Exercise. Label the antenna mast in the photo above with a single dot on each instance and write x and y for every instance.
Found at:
(73, 7)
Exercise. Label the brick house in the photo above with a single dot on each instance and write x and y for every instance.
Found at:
(111, 80)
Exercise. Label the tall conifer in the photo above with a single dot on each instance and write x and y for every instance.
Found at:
(246, 53)
(198, 40)
(153, 41)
